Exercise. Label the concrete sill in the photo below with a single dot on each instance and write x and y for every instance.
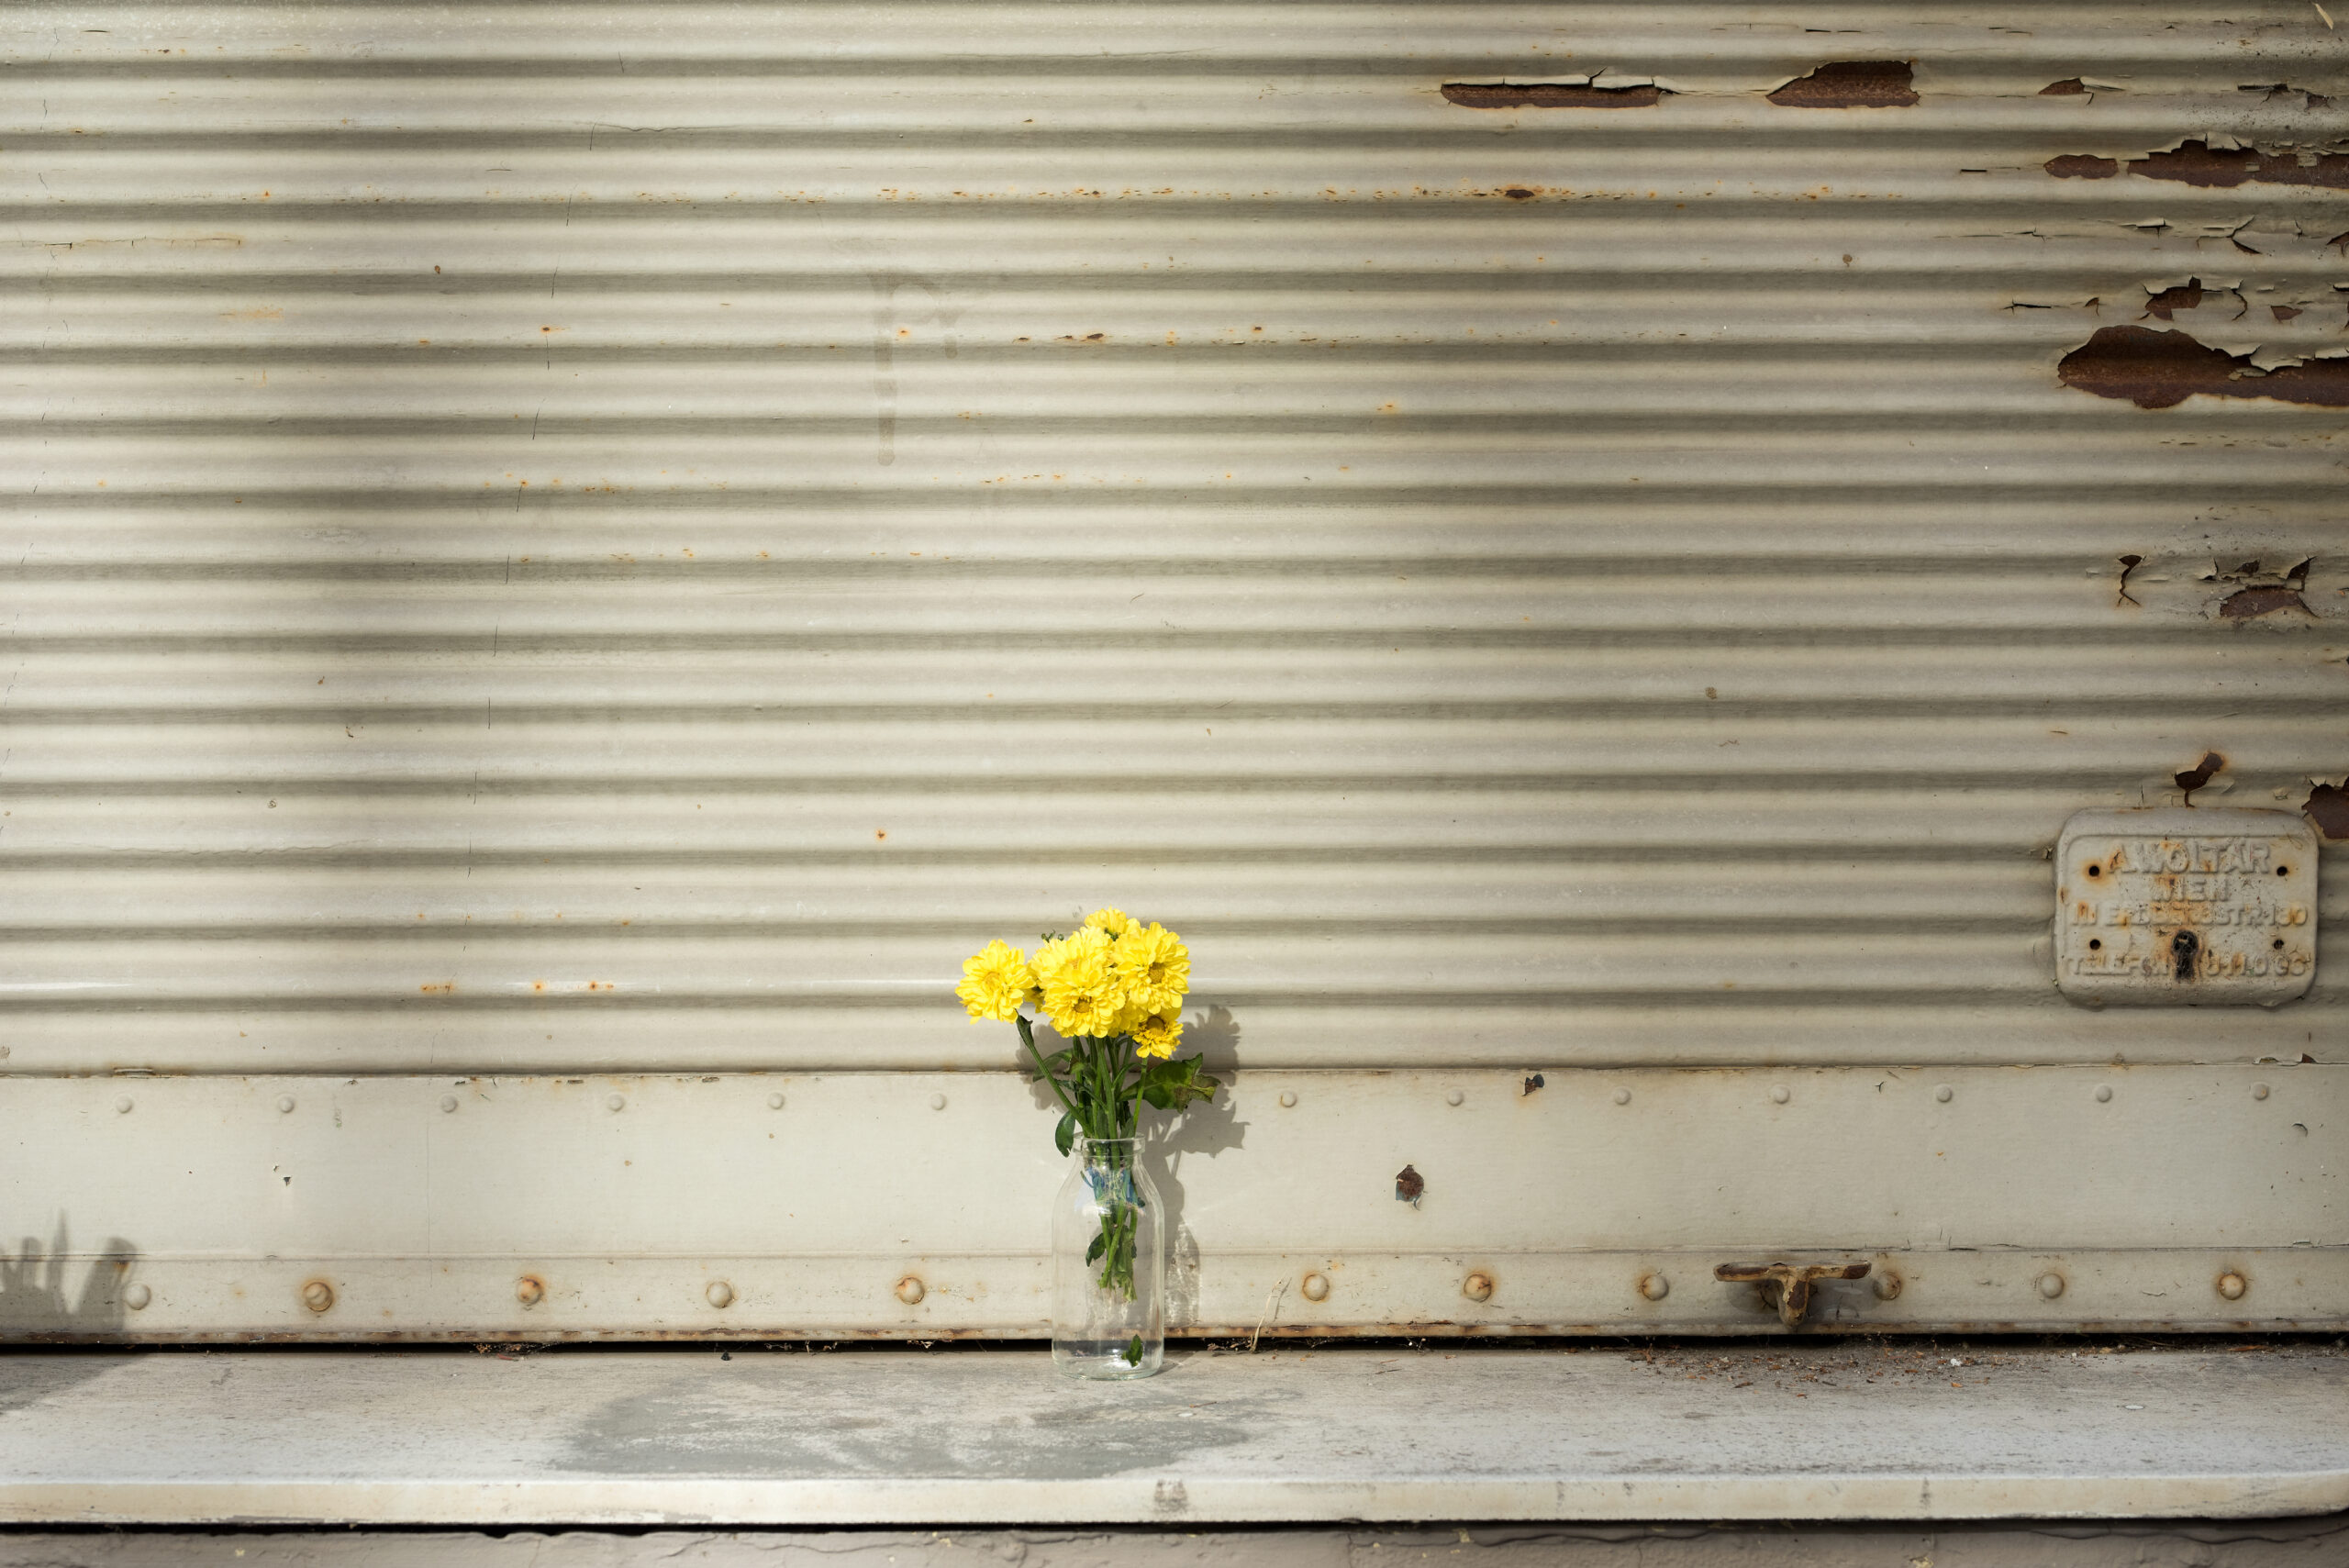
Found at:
(1808, 1431)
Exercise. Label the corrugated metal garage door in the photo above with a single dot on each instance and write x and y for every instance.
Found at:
(567, 561)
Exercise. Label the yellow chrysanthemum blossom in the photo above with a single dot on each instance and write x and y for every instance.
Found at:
(1117, 922)
(1159, 1034)
(1153, 966)
(996, 981)
(1081, 992)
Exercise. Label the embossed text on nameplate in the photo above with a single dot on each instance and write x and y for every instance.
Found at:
(2186, 905)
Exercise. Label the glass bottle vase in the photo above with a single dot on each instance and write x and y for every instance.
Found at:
(1109, 1265)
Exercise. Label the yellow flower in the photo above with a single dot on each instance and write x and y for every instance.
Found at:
(1117, 922)
(996, 981)
(1153, 966)
(1082, 993)
(1159, 1034)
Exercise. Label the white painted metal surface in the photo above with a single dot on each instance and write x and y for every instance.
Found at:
(757, 1205)
(583, 538)
(988, 1437)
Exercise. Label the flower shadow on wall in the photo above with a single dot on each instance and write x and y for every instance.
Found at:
(1205, 1129)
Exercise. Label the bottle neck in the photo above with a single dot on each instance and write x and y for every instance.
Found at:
(1110, 1153)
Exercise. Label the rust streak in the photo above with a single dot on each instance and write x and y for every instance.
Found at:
(2248, 604)
(2328, 806)
(1551, 95)
(1850, 84)
(2156, 369)
(2199, 163)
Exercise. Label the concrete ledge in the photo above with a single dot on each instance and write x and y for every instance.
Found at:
(991, 1435)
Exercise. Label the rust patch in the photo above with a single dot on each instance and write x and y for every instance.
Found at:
(2328, 806)
(1409, 1187)
(2249, 604)
(2199, 163)
(2182, 296)
(2070, 87)
(1518, 193)
(2083, 166)
(1850, 84)
(1533, 1081)
(2284, 312)
(2156, 369)
(2127, 564)
(2200, 773)
(1551, 95)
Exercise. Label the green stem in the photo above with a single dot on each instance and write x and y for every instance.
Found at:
(1028, 1035)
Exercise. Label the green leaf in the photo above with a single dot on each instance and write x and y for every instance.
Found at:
(1133, 1352)
(1101, 1245)
(1064, 1134)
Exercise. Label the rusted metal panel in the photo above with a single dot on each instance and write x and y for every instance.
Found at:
(759, 1205)
(566, 538)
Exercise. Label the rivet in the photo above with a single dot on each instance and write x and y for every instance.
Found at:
(937, 1102)
(1288, 1098)
(614, 1102)
(2232, 1285)
(1780, 1095)
(447, 1103)
(2051, 1285)
(1655, 1286)
(318, 1296)
(1316, 1287)
(284, 1103)
(529, 1290)
(1886, 1284)
(1622, 1096)
(1477, 1286)
(1944, 1093)
(2258, 1092)
(137, 1297)
(910, 1290)
(1453, 1098)
(720, 1294)
(774, 1102)
(2103, 1093)
(122, 1105)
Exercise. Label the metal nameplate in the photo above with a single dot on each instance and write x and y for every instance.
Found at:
(2186, 905)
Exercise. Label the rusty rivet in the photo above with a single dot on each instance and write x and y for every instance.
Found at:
(448, 1104)
(2051, 1285)
(1453, 1098)
(318, 1296)
(910, 1290)
(529, 1290)
(1655, 1286)
(720, 1294)
(1622, 1096)
(1780, 1095)
(1477, 1286)
(2258, 1092)
(284, 1103)
(1316, 1287)
(2232, 1285)
(1886, 1285)
(614, 1102)
(137, 1297)
(1288, 1098)
(937, 1102)
(2103, 1093)
(122, 1105)
(1944, 1093)
(774, 1102)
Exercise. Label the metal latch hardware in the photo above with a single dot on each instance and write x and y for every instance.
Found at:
(1787, 1286)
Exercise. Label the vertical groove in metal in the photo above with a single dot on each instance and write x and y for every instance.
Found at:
(558, 536)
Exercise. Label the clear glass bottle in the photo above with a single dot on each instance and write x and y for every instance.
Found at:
(1109, 1265)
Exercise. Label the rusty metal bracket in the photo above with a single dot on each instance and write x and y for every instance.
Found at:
(1787, 1286)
